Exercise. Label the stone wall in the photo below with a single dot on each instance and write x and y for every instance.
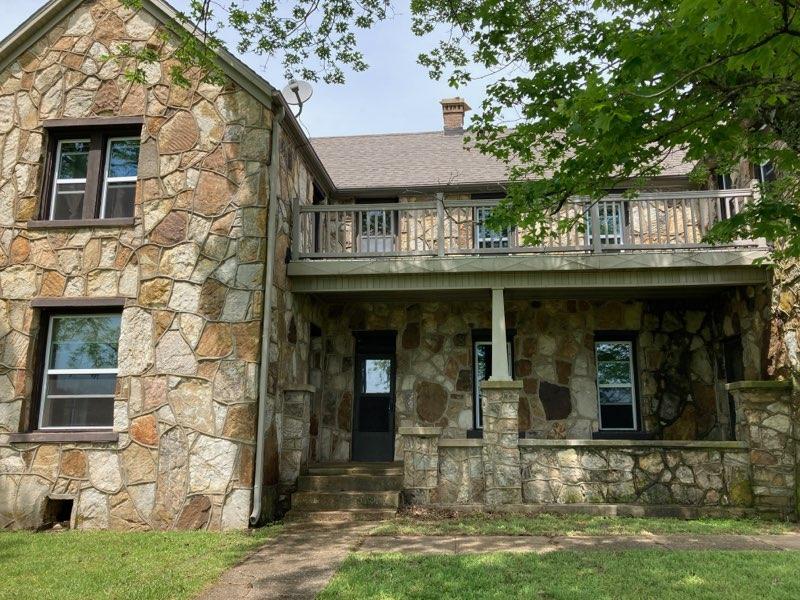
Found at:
(553, 356)
(190, 270)
(685, 337)
(685, 474)
(754, 474)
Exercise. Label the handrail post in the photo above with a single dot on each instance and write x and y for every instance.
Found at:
(296, 229)
(594, 211)
(440, 222)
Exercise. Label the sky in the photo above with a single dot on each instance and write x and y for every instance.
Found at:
(394, 95)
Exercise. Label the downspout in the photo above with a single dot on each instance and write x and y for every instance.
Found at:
(266, 317)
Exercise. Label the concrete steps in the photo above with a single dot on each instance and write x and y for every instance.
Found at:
(347, 492)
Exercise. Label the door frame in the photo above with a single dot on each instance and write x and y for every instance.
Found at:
(380, 344)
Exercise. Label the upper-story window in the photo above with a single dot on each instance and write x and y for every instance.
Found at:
(484, 236)
(765, 172)
(92, 174)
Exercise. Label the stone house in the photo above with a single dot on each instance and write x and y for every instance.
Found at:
(144, 228)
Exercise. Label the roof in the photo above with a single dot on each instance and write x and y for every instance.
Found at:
(422, 160)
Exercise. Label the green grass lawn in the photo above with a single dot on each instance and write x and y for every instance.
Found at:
(593, 575)
(545, 524)
(108, 565)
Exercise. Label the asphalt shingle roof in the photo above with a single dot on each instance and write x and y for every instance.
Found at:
(408, 160)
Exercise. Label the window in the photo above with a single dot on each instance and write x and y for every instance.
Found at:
(616, 384)
(69, 187)
(482, 357)
(724, 181)
(80, 371)
(611, 217)
(765, 172)
(485, 237)
(92, 173)
(119, 182)
(377, 228)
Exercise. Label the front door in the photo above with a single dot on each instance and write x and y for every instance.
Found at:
(373, 412)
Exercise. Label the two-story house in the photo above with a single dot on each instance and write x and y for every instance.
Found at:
(408, 353)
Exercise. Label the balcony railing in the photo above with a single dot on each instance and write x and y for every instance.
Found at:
(652, 221)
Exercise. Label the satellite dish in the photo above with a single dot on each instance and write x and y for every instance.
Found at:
(297, 93)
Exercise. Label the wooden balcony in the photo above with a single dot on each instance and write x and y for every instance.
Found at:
(654, 222)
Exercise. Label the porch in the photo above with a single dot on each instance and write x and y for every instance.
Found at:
(652, 367)
(621, 400)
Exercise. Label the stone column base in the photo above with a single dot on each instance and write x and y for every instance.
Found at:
(765, 420)
(420, 463)
(295, 436)
(501, 464)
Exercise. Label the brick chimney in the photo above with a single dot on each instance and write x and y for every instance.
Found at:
(453, 110)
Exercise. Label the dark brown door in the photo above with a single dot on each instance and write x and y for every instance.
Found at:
(373, 412)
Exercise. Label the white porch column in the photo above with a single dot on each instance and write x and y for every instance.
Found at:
(499, 338)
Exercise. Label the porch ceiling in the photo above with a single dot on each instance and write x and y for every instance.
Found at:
(644, 273)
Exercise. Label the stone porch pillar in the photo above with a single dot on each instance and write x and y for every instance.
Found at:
(501, 461)
(296, 427)
(765, 420)
(420, 463)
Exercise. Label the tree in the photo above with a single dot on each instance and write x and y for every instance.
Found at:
(604, 90)
(315, 39)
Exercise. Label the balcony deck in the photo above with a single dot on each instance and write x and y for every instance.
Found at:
(653, 240)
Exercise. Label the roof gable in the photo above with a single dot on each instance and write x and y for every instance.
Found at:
(43, 20)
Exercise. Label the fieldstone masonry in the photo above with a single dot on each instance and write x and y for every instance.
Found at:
(420, 463)
(766, 423)
(650, 472)
(190, 271)
(296, 421)
(755, 473)
(501, 441)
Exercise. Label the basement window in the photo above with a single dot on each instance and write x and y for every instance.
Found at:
(57, 512)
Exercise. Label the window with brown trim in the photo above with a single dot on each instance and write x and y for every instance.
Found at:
(78, 370)
(91, 173)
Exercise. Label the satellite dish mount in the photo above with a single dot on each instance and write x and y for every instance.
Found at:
(297, 93)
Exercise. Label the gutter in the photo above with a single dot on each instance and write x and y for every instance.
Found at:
(266, 317)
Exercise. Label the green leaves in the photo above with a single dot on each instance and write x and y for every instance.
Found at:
(606, 90)
(313, 39)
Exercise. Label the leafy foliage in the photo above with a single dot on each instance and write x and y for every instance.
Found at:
(315, 39)
(607, 91)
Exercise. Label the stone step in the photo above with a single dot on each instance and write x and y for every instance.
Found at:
(310, 501)
(350, 482)
(364, 468)
(352, 515)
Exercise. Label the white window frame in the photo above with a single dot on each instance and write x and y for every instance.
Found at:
(47, 371)
(107, 179)
(379, 236)
(610, 209)
(761, 176)
(477, 407)
(631, 386)
(485, 238)
(57, 181)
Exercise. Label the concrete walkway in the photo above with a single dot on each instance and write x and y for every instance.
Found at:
(295, 565)
(542, 544)
(298, 563)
